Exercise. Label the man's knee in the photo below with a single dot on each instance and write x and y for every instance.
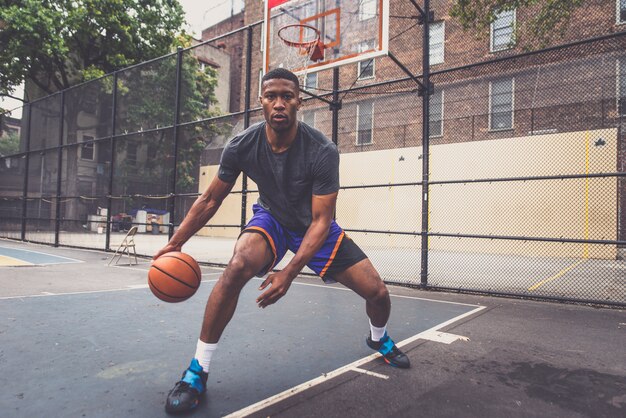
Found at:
(379, 293)
(376, 289)
(237, 273)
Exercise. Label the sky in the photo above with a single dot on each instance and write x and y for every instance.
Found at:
(199, 14)
(12, 104)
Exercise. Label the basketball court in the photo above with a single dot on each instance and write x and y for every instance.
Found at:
(81, 338)
(87, 339)
(106, 343)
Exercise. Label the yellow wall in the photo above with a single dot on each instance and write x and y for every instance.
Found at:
(230, 211)
(571, 208)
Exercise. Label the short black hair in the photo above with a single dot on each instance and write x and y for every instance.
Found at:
(281, 73)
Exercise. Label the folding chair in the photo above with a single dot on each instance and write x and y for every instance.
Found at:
(125, 247)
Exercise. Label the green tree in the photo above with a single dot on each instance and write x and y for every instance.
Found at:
(547, 21)
(197, 88)
(9, 144)
(54, 43)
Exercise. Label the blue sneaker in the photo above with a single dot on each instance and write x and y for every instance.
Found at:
(391, 354)
(187, 392)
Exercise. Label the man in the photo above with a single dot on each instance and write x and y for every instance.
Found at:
(296, 169)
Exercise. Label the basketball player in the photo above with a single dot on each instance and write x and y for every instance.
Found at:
(296, 169)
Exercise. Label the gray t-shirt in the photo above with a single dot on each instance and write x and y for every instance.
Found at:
(287, 180)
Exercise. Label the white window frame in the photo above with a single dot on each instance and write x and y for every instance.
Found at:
(91, 135)
(260, 81)
(511, 42)
(306, 79)
(372, 66)
(367, 9)
(492, 129)
(440, 121)
(431, 41)
(364, 46)
(309, 112)
(135, 162)
(358, 124)
(618, 12)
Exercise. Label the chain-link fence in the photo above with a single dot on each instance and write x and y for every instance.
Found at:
(524, 192)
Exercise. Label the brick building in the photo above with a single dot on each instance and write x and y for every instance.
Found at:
(536, 93)
(486, 88)
(233, 46)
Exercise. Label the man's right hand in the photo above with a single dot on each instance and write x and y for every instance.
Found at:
(168, 248)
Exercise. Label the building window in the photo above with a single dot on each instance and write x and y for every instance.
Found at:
(260, 81)
(308, 117)
(152, 153)
(621, 11)
(365, 69)
(501, 104)
(435, 116)
(621, 86)
(131, 154)
(364, 122)
(436, 39)
(367, 9)
(11, 131)
(310, 81)
(87, 149)
(502, 31)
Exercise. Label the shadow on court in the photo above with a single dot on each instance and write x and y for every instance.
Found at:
(84, 339)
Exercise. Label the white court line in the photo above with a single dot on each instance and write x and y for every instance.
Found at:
(330, 286)
(121, 266)
(72, 260)
(130, 268)
(330, 375)
(131, 287)
(87, 292)
(370, 373)
(435, 300)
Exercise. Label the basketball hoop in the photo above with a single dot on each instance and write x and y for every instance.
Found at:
(304, 45)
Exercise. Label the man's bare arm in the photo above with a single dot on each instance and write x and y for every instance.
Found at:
(323, 208)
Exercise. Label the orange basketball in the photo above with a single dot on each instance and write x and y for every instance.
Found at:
(174, 277)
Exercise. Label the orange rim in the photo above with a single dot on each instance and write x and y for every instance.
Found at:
(303, 45)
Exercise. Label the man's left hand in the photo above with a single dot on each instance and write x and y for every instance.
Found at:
(280, 283)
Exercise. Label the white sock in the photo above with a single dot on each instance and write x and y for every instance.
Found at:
(204, 352)
(377, 333)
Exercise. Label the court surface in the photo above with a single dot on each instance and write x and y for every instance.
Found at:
(90, 340)
(11, 257)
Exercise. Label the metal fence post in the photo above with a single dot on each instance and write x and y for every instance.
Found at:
(246, 124)
(335, 106)
(172, 206)
(425, 142)
(107, 244)
(26, 168)
(57, 222)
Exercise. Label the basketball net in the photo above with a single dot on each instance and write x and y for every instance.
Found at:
(303, 46)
